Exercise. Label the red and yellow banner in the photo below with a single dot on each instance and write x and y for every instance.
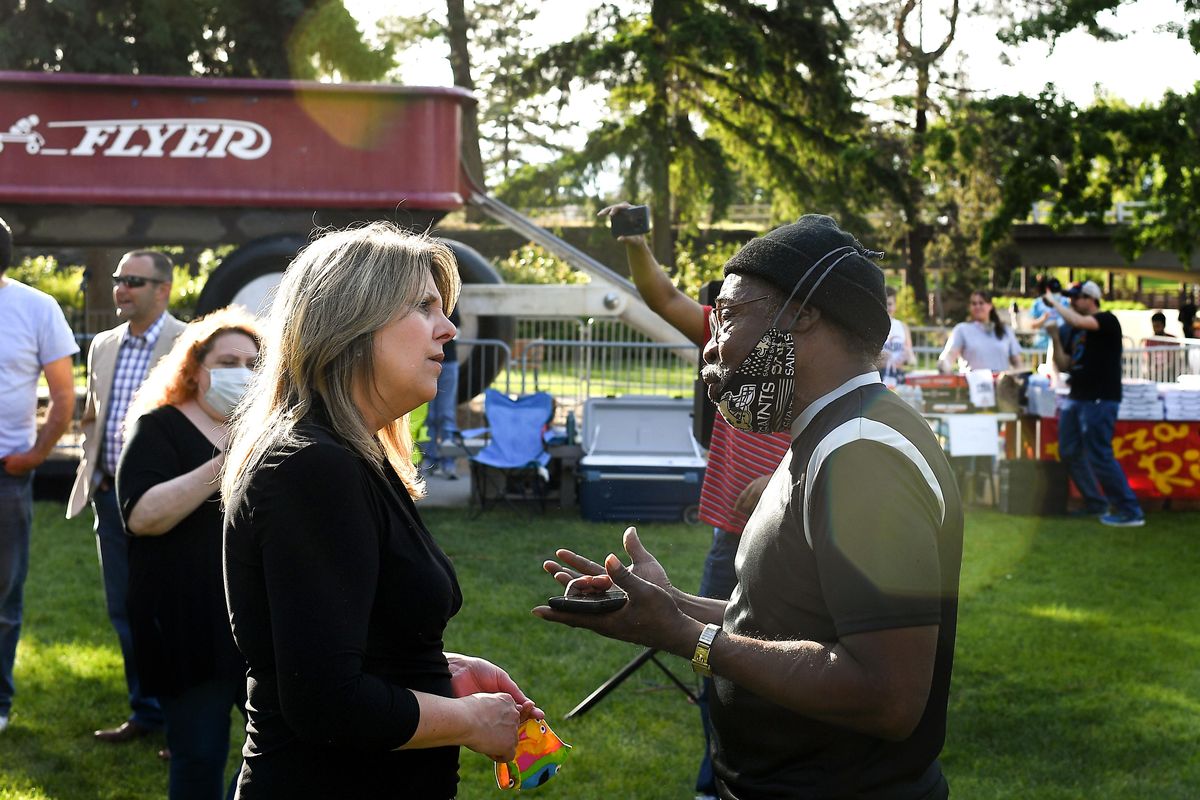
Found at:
(1160, 459)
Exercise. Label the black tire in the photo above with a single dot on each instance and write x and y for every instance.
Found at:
(252, 260)
(272, 254)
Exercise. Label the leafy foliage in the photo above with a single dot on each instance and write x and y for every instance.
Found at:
(704, 92)
(1084, 160)
(907, 308)
(516, 120)
(694, 269)
(45, 274)
(531, 263)
(278, 39)
(1050, 19)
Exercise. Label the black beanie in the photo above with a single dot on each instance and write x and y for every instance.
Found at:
(852, 294)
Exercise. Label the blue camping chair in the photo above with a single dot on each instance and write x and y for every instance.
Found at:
(512, 465)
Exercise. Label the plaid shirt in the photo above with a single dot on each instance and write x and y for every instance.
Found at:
(133, 362)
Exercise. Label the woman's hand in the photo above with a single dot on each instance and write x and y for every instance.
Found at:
(493, 722)
(470, 675)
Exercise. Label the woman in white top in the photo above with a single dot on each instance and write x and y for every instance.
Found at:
(897, 348)
(984, 342)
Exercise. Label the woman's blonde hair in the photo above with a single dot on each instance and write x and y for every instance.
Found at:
(173, 379)
(334, 296)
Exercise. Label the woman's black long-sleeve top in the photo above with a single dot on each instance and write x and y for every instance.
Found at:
(177, 612)
(338, 597)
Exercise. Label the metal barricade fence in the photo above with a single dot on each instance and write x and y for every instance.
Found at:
(573, 359)
(929, 341)
(573, 371)
(1163, 362)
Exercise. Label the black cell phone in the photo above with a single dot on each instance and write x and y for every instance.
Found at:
(631, 221)
(590, 603)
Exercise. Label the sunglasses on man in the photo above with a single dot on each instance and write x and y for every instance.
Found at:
(134, 281)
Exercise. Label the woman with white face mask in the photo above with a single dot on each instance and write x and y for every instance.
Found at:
(167, 483)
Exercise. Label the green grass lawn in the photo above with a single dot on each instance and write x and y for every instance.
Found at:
(1076, 672)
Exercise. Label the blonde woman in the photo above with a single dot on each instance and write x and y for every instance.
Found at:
(337, 592)
(167, 482)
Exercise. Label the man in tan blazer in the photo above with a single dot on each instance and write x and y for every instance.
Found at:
(118, 362)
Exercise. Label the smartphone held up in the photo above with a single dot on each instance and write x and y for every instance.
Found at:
(631, 221)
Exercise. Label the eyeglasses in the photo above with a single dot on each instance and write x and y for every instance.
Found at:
(134, 281)
(717, 319)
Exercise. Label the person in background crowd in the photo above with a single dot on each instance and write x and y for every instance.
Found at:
(832, 660)
(337, 592)
(1044, 313)
(1091, 355)
(442, 420)
(167, 484)
(984, 342)
(1187, 316)
(897, 348)
(1158, 330)
(35, 340)
(1162, 367)
(118, 362)
(739, 464)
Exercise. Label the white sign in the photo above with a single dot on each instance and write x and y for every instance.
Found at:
(981, 388)
(173, 137)
(973, 435)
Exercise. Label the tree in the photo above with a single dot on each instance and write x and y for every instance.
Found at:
(457, 32)
(488, 57)
(895, 165)
(1082, 160)
(278, 39)
(703, 92)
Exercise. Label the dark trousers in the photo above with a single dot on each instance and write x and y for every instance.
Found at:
(112, 546)
(1085, 433)
(198, 735)
(16, 522)
(717, 581)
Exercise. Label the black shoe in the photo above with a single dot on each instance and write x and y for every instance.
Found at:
(125, 732)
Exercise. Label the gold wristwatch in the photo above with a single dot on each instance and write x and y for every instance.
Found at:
(703, 647)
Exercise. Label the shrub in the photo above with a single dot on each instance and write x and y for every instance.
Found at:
(530, 263)
(44, 273)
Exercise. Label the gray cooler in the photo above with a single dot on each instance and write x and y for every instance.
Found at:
(641, 461)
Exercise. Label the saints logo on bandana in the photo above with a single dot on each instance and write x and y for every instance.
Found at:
(758, 396)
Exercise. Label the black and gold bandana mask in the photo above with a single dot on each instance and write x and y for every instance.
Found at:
(758, 396)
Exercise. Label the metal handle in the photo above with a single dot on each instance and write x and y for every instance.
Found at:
(629, 476)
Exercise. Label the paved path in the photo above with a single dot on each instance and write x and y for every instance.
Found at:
(442, 493)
